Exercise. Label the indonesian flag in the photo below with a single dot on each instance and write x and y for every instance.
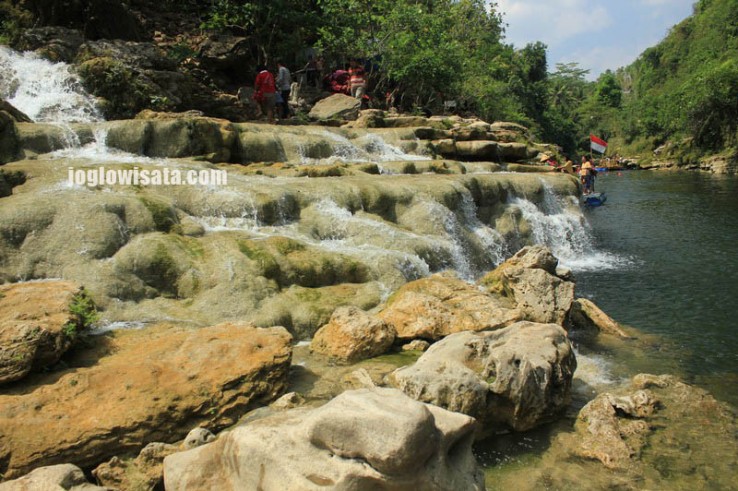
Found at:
(597, 144)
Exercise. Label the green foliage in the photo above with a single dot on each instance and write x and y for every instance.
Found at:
(277, 28)
(126, 92)
(608, 90)
(84, 315)
(13, 19)
(686, 86)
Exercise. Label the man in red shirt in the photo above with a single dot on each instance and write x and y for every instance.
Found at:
(265, 92)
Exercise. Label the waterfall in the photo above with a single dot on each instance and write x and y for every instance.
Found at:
(555, 224)
(45, 91)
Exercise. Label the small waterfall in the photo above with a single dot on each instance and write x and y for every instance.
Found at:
(491, 240)
(45, 91)
(381, 151)
(368, 148)
(564, 231)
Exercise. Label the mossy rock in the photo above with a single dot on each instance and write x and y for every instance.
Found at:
(126, 91)
(9, 180)
(304, 310)
(289, 262)
(163, 214)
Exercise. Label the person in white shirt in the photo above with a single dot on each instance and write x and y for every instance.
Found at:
(284, 83)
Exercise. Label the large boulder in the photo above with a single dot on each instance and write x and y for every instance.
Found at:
(139, 387)
(517, 377)
(530, 279)
(353, 335)
(434, 307)
(61, 477)
(37, 325)
(363, 439)
(337, 106)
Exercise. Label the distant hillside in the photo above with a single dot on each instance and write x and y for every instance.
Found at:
(685, 89)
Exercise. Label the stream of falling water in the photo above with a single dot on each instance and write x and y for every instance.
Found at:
(46, 92)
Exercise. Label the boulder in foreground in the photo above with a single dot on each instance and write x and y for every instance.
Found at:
(363, 439)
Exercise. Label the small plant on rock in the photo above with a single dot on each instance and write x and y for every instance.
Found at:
(84, 315)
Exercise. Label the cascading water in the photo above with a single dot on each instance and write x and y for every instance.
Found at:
(555, 224)
(368, 148)
(46, 92)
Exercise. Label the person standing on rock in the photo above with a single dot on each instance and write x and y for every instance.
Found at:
(265, 92)
(586, 171)
(357, 80)
(284, 85)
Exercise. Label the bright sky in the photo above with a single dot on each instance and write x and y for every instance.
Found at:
(598, 34)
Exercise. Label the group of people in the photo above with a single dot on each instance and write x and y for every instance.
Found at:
(270, 92)
(586, 171)
(351, 81)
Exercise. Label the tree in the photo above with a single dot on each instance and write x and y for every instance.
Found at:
(608, 90)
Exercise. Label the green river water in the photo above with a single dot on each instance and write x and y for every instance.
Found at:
(677, 237)
(664, 262)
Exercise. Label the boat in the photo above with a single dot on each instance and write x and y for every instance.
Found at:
(594, 199)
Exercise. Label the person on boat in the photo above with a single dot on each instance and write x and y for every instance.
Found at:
(586, 172)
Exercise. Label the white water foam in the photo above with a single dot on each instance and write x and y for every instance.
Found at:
(116, 326)
(381, 151)
(369, 148)
(45, 91)
(594, 371)
(566, 232)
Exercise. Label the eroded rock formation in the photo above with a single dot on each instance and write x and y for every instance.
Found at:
(363, 439)
(518, 377)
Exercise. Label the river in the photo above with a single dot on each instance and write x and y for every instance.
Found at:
(676, 234)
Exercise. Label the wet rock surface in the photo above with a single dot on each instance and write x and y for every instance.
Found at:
(655, 433)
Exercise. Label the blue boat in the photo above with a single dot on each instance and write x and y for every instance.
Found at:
(594, 199)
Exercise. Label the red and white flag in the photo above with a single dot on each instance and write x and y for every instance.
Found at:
(597, 144)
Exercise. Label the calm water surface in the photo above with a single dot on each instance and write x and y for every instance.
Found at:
(678, 236)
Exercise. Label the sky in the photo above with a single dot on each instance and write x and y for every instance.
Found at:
(597, 34)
